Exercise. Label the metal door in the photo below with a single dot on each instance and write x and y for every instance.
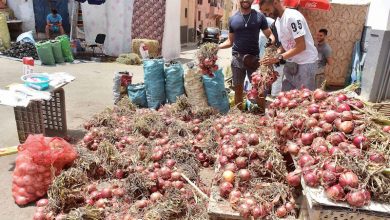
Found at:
(43, 7)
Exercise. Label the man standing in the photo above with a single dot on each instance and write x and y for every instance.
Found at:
(298, 46)
(54, 23)
(324, 56)
(244, 30)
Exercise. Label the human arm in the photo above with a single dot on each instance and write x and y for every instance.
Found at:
(228, 43)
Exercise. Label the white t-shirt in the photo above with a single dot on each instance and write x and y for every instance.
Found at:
(290, 26)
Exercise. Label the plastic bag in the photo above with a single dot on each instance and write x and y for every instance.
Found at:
(155, 82)
(39, 160)
(66, 48)
(216, 93)
(57, 51)
(26, 37)
(174, 82)
(137, 95)
(193, 85)
(45, 53)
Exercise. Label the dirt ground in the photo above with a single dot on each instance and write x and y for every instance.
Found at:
(89, 94)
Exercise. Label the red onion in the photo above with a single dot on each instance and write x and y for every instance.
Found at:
(119, 174)
(361, 142)
(244, 175)
(377, 157)
(153, 176)
(327, 128)
(346, 127)
(119, 192)
(241, 162)
(42, 202)
(321, 149)
(233, 131)
(95, 195)
(335, 150)
(312, 109)
(165, 173)
(231, 167)
(228, 176)
(90, 202)
(170, 163)
(343, 107)
(253, 139)
(225, 188)
(290, 206)
(201, 157)
(250, 202)
(281, 212)
(319, 95)
(328, 177)
(240, 144)
(293, 148)
(234, 196)
(155, 196)
(141, 204)
(157, 156)
(354, 152)
(294, 178)
(244, 210)
(307, 138)
(106, 193)
(386, 129)
(39, 216)
(358, 198)
(178, 184)
(258, 212)
(342, 97)
(335, 138)
(330, 116)
(335, 193)
(349, 179)
(346, 116)
(311, 122)
(223, 160)
(311, 179)
(331, 166)
(306, 160)
(298, 123)
(101, 203)
(230, 152)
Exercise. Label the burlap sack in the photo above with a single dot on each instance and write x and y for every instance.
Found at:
(194, 88)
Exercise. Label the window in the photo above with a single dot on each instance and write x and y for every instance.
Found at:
(200, 2)
(198, 15)
(185, 13)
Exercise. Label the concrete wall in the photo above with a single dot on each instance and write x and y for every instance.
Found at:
(379, 15)
(24, 10)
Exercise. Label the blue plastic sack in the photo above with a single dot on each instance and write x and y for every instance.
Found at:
(154, 82)
(217, 96)
(174, 82)
(137, 95)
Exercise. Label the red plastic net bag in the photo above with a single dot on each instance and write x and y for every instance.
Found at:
(39, 160)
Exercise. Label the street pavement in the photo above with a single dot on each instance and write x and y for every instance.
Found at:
(89, 94)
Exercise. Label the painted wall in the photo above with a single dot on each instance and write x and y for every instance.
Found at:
(379, 15)
(23, 10)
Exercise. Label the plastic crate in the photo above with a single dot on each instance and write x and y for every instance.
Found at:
(42, 117)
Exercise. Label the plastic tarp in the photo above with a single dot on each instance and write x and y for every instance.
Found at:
(155, 82)
(137, 94)
(217, 96)
(171, 40)
(114, 19)
(174, 81)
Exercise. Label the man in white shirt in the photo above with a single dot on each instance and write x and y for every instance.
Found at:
(297, 44)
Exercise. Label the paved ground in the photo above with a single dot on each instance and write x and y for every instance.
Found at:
(90, 93)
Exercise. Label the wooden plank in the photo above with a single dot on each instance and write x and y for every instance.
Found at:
(8, 151)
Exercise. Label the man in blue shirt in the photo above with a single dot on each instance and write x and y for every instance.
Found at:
(244, 30)
(54, 23)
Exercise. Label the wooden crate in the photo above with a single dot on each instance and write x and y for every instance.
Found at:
(383, 108)
(316, 206)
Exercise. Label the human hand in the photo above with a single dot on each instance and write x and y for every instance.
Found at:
(269, 61)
